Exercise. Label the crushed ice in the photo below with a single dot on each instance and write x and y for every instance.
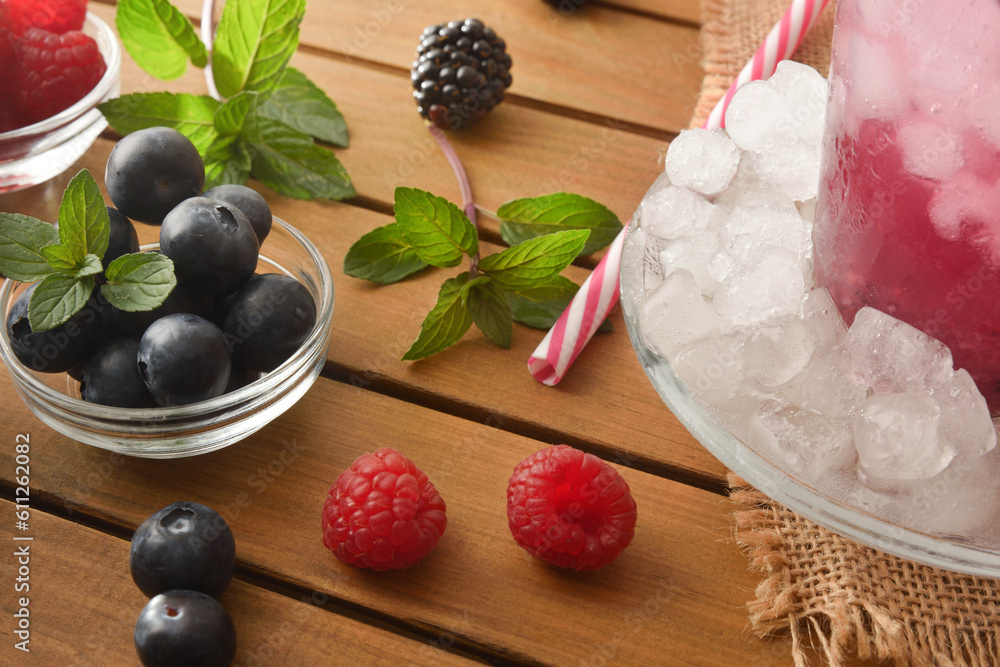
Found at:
(875, 416)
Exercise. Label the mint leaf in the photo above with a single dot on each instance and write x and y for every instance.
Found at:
(490, 311)
(159, 37)
(22, 239)
(90, 266)
(300, 104)
(139, 281)
(524, 219)
(231, 115)
(62, 259)
(288, 162)
(254, 42)
(541, 306)
(382, 256)
(439, 232)
(227, 161)
(191, 115)
(84, 226)
(534, 262)
(445, 324)
(56, 299)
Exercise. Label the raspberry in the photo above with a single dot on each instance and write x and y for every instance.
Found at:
(58, 16)
(461, 72)
(54, 72)
(570, 508)
(383, 512)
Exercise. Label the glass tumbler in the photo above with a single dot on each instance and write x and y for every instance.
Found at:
(908, 214)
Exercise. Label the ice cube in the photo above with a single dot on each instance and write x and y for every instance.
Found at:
(892, 356)
(965, 419)
(774, 287)
(673, 211)
(776, 351)
(791, 169)
(874, 92)
(824, 387)
(751, 231)
(801, 442)
(982, 111)
(713, 371)
(756, 117)
(930, 149)
(897, 437)
(676, 315)
(823, 320)
(704, 161)
(633, 265)
(805, 92)
(693, 253)
(746, 189)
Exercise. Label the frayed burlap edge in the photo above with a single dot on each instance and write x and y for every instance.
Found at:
(849, 601)
(732, 30)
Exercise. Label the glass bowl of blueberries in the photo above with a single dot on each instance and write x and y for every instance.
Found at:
(45, 128)
(241, 335)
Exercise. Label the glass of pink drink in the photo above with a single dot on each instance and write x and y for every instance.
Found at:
(908, 215)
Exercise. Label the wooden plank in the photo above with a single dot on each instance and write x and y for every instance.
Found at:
(679, 590)
(576, 61)
(82, 608)
(606, 402)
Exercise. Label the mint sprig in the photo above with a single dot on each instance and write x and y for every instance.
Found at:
(521, 283)
(523, 219)
(65, 260)
(268, 126)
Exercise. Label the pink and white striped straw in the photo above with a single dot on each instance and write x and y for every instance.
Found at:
(598, 295)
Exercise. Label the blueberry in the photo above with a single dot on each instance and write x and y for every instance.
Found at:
(58, 349)
(183, 358)
(248, 200)
(212, 244)
(240, 377)
(123, 239)
(151, 171)
(185, 628)
(269, 320)
(110, 376)
(184, 545)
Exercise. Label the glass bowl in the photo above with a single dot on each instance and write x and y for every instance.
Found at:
(815, 505)
(33, 154)
(178, 431)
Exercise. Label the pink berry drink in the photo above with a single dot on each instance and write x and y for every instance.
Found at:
(908, 215)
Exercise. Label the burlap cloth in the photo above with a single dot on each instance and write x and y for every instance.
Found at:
(848, 601)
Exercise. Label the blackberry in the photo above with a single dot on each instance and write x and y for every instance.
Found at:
(461, 72)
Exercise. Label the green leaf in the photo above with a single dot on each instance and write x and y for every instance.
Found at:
(438, 231)
(254, 42)
(445, 324)
(382, 256)
(62, 259)
(84, 226)
(191, 115)
(231, 115)
(524, 219)
(22, 239)
(159, 37)
(90, 266)
(536, 261)
(227, 161)
(139, 281)
(300, 104)
(490, 312)
(541, 306)
(288, 162)
(56, 299)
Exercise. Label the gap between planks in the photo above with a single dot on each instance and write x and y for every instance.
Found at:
(43, 501)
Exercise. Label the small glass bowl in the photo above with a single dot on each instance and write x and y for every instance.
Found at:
(34, 154)
(178, 431)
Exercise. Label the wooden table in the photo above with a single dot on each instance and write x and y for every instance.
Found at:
(597, 96)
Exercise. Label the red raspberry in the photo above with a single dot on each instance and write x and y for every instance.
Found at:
(570, 508)
(58, 16)
(54, 71)
(383, 512)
